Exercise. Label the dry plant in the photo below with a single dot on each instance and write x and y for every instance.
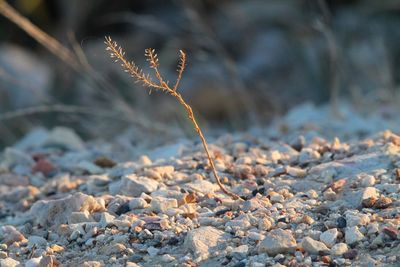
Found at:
(117, 53)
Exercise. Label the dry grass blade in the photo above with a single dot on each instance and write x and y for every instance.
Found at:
(117, 53)
(43, 38)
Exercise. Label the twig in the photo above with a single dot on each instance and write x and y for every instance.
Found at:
(118, 54)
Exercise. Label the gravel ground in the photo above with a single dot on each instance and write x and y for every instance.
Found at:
(310, 199)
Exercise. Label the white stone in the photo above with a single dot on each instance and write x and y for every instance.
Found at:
(357, 219)
(277, 198)
(55, 212)
(314, 247)
(329, 237)
(34, 262)
(239, 223)
(353, 235)
(240, 252)
(106, 219)
(339, 249)
(65, 137)
(367, 180)
(138, 203)
(152, 251)
(354, 199)
(161, 204)
(277, 241)
(36, 241)
(80, 217)
(204, 240)
(8, 262)
(202, 186)
(134, 186)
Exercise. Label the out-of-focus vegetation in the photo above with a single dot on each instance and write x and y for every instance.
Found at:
(249, 61)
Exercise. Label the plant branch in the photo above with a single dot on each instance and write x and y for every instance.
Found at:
(118, 54)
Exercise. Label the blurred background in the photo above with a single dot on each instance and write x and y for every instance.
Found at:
(248, 62)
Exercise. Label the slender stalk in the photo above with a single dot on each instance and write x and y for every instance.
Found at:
(117, 53)
(35, 32)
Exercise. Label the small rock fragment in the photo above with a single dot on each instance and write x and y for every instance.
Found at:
(161, 204)
(278, 241)
(383, 203)
(80, 217)
(353, 235)
(329, 237)
(203, 240)
(137, 203)
(8, 262)
(314, 247)
(11, 234)
(134, 186)
(56, 212)
(339, 249)
(111, 249)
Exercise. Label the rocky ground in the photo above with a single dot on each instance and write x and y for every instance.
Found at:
(310, 199)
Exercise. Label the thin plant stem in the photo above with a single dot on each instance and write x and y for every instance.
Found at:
(118, 54)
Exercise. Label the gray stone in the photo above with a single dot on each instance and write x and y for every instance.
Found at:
(137, 203)
(202, 186)
(14, 157)
(278, 241)
(204, 240)
(37, 241)
(134, 186)
(329, 237)
(64, 137)
(339, 249)
(55, 212)
(106, 219)
(313, 247)
(34, 138)
(240, 252)
(80, 217)
(353, 235)
(8, 262)
(161, 204)
(355, 198)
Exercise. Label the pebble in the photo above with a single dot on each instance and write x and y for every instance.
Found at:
(134, 186)
(11, 234)
(357, 219)
(92, 264)
(314, 247)
(137, 203)
(161, 204)
(33, 262)
(368, 180)
(204, 240)
(329, 237)
(277, 241)
(56, 212)
(353, 235)
(8, 262)
(106, 219)
(112, 249)
(80, 217)
(240, 252)
(37, 241)
(339, 249)
(355, 199)
(265, 224)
